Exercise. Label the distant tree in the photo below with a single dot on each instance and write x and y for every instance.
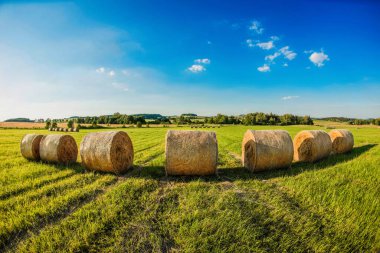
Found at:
(54, 124)
(249, 119)
(306, 120)
(139, 124)
(286, 119)
(272, 121)
(70, 123)
(261, 118)
(47, 124)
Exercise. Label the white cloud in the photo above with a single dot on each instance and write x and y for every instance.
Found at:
(204, 61)
(256, 27)
(271, 57)
(209, 42)
(264, 68)
(289, 97)
(100, 70)
(285, 64)
(250, 43)
(274, 38)
(319, 58)
(120, 86)
(111, 73)
(288, 54)
(265, 45)
(196, 68)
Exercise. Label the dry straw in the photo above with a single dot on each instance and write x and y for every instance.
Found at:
(267, 149)
(342, 141)
(311, 145)
(191, 153)
(107, 151)
(30, 146)
(58, 148)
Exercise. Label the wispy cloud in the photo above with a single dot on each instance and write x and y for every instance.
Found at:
(319, 58)
(266, 45)
(103, 70)
(274, 38)
(250, 43)
(289, 97)
(271, 57)
(120, 86)
(204, 61)
(196, 68)
(264, 68)
(256, 27)
(263, 45)
(288, 54)
(100, 70)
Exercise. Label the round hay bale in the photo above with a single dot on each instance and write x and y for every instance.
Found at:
(30, 146)
(311, 145)
(191, 153)
(342, 141)
(267, 149)
(107, 151)
(58, 148)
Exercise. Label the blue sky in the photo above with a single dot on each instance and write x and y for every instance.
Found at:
(319, 58)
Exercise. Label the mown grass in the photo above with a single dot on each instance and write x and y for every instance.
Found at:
(329, 206)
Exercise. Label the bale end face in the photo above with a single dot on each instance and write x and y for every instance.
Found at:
(30, 146)
(191, 153)
(311, 145)
(342, 141)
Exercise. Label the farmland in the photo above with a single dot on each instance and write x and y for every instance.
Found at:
(329, 206)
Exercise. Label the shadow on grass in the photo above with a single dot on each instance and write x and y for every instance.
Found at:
(298, 167)
(232, 174)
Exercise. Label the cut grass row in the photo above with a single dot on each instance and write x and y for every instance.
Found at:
(49, 205)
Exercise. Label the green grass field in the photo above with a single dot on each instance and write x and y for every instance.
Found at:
(329, 206)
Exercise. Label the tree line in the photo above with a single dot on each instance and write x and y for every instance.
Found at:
(260, 118)
(257, 118)
(353, 121)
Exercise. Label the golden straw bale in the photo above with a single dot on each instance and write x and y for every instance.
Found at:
(267, 149)
(107, 151)
(191, 152)
(311, 145)
(342, 141)
(58, 148)
(30, 146)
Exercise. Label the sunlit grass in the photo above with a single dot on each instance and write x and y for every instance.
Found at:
(329, 206)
